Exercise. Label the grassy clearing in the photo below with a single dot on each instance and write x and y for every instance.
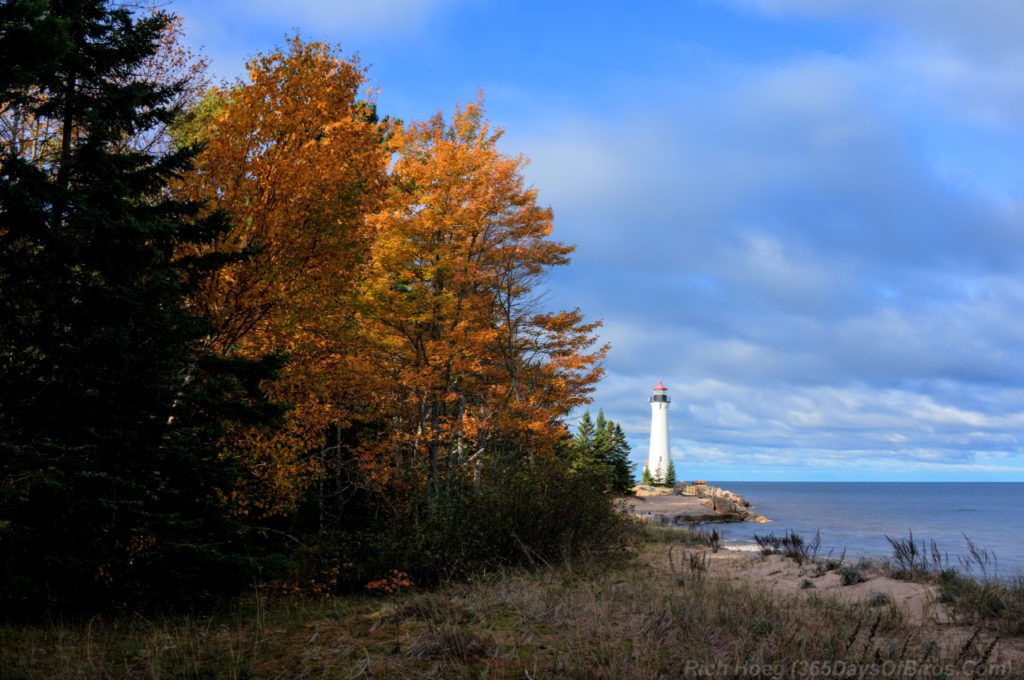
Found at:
(628, 620)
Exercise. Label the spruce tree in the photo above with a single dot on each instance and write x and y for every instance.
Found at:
(621, 468)
(110, 411)
(600, 447)
(585, 430)
(670, 473)
(583, 442)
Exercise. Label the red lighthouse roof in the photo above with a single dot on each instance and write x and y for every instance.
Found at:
(660, 386)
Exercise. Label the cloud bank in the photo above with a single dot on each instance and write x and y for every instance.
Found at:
(828, 292)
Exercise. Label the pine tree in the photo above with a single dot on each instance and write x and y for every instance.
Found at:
(646, 478)
(110, 411)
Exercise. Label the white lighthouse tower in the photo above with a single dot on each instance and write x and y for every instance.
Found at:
(657, 458)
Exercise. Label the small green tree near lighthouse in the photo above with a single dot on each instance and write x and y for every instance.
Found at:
(601, 446)
(670, 474)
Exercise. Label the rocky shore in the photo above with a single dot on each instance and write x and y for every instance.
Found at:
(685, 505)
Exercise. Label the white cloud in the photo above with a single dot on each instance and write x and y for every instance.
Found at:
(802, 296)
(784, 248)
(965, 57)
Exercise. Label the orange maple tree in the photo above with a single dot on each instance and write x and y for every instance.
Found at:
(461, 362)
(295, 158)
(396, 267)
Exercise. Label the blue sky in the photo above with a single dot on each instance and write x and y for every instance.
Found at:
(804, 216)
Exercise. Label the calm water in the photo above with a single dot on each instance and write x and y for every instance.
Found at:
(858, 516)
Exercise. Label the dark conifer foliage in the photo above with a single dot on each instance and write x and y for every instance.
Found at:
(600, 446)
(110, 410)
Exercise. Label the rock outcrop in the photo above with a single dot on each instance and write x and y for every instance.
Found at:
(684, 505)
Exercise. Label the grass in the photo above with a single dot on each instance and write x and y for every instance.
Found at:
(624, 620)
(971, 589)
(791, 545)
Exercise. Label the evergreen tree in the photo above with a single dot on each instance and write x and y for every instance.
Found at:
(601, 431)
(585, 431)
(111, 486)
(670, 473)
(622, 469)
(600, 447)
(646, 478)
(582, 446)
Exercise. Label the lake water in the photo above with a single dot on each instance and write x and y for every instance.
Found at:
(858, 516)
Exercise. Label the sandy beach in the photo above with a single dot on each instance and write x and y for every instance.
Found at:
(918, 604)
(782, 575)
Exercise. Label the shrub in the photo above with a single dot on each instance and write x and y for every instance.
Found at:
(524, 514)
(973, 593)
(850, 575)
(710, 538)
(998, 604)
(829, 563)
(790, 544)
(879, 599)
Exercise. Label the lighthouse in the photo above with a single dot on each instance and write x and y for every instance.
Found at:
(658, 457)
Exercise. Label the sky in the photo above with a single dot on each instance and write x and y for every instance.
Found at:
(804, 216)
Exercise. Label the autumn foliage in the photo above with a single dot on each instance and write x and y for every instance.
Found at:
(396, 267)
(295, 159)
(459, 362)
(257, 324)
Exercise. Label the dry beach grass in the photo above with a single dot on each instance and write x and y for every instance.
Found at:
(678, 609)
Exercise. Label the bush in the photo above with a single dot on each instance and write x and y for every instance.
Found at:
(829, 563)
(711, 539)
(850, 575)
(790, 544)
(999, 604)
(879, 599)
(525, 514)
